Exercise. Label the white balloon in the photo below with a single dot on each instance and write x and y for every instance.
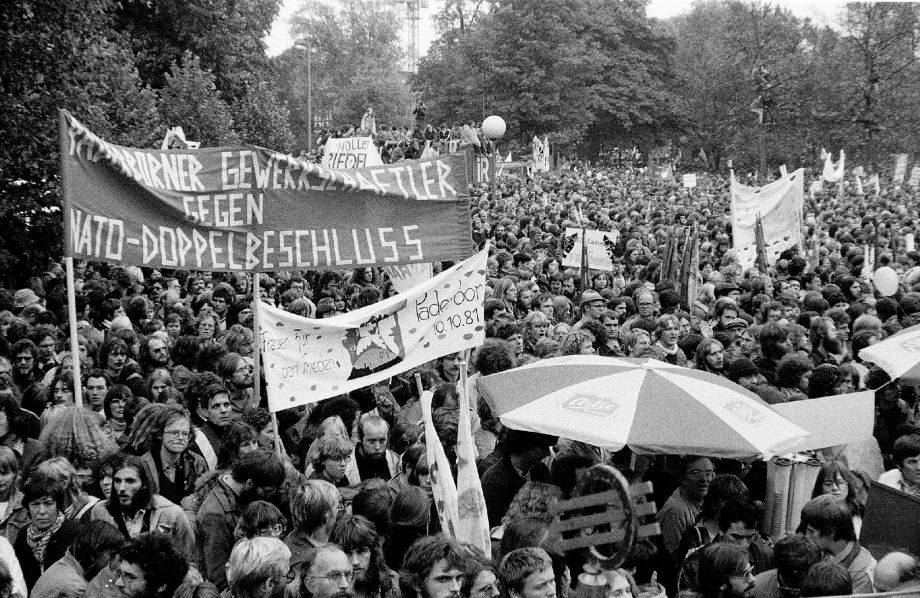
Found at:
(886, 281)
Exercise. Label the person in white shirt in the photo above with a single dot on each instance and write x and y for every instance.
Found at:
(906, 476)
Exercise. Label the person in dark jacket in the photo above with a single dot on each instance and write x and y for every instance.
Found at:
(504, 478)
(46, 539)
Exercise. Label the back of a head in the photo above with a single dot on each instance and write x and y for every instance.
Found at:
(522, 532)
(374, 502)
(312, 503)
(894, 569)
(261, 466)
(95, 537)
(718, 562)
(795, 554)
(410, 507)
(827, 579)
(254, 561)
(741, 509)
(830, 516)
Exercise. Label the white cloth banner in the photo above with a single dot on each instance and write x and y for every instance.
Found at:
(833, 172)
(689, 180)
(309, 360)
(471, 504)
(351, 152)
(900, 168)
(443, 489)
(601, 248)
(783, 171)
(914, 177)
(405, 277)
(873, 180)
(779, 205)
(541, 154)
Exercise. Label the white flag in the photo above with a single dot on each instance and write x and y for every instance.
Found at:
(442, 480)
(779, 205)
(471, 504)
(833, 172)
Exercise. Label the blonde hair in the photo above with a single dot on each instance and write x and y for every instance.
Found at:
(254, 561)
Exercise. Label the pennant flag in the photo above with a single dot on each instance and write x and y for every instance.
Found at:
(782, 170)
(859, 186)
(443, 488)
(309, 360)
(779, 205)
(471, 504)
(900, 168)
(175, 139)
(585, 270)
(824, 154)
(761, 245)
(833, 172)
(546, 153)
(689, 269)
(667, 173)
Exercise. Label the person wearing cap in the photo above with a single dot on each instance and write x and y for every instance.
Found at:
(743, 371)
(23, 298)
(592, 307)
(728, 289)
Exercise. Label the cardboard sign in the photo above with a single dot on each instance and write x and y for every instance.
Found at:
(603, 248)
(351, 152)
(689, 180)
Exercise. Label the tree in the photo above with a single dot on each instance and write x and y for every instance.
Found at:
(190, 100)
(263, 119)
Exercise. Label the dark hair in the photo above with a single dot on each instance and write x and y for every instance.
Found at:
(119, 391)
(374, 502)
(827, 579)
(261, 466)
(422, 556)
(718, 562)
(723, 487)
(10, 407)
(740, 508)
(39, 486)
(95, 537)
(564, 468)
(109, 346)
(831, 516)
(354, 533)
(905, 447)
(522, 532)
(236, 434)
(255, 516)
(795, 554)
(155, 555)
(791, 368)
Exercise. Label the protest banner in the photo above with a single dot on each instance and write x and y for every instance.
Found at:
(251, 209)
(689, 181)
(309, 360)
(900, 168)
(603, 248)
(914, 177)
(779, 205)
(408, 276)
(351, 152)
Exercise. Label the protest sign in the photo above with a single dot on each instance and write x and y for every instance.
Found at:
(603, 248)
(251, 209)
(351, 152)
(309, 360)
(689, 180)
(914, 176)
(900, 168)
(779, 205)
(408, 276)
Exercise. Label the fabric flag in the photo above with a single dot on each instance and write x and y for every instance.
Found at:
(780, 206)
(546, 153)
(859, 186)
(585, 270)
(761, 245)
(689, 268)
(406, 277)
(667, 174)
(782, 170)
(309, 360)
(815, 187)
(702, 156)
(250, 209)
(824, 154)
(874, 181)
(670, 268)
(914, 177)
(833, 172)
(859, 171)
(429, 151)
(471, 504)
(443, 488)
(900, 168)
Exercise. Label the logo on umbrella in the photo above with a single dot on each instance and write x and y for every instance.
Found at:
(593, 405)
(744, 412)
(911, 344)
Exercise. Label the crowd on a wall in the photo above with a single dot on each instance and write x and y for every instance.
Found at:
(167, 481)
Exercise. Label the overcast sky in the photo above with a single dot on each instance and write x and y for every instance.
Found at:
(822, 12)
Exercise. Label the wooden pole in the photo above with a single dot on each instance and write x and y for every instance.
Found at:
(74, 344)
(257, 355)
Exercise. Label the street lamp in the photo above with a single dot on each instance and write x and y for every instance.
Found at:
(304, 43)
(493, 128)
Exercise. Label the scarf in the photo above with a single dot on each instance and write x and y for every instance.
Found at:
(38, 539)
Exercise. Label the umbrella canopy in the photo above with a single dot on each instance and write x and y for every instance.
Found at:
(649, 405)
(898, 355)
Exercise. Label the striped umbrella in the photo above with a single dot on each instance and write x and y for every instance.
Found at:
(649, 405)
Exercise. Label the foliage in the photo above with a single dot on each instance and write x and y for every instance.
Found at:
(189, 100)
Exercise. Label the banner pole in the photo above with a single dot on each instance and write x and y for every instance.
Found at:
(257, 355)
(74, 344)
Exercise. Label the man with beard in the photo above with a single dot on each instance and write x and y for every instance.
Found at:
(686, 503)
(371, 458)
(135, 510)
(259, 568)
(237, 375)
(433, 568)
(98, 543)
(825, 342)
(154, 354)
(150, 567)
(256, 475)
(328, 574)
(358, 537)
(725, 572)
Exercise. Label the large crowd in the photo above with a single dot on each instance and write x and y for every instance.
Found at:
(167, 481)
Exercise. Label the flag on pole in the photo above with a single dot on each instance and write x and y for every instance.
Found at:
(670, 268)
(471, 504)
(859, 187)
(703, 157)
(833, 172)
(761, 245)
(443, 488)
(689, 267)
(824, 154)
(782, 170)
(873, 180)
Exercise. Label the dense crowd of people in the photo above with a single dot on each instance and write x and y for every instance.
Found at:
(167, 481)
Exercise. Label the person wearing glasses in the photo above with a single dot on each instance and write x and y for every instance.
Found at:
(135, 509)
(148, 567)
(169, 464)
(259, 568)
(333, 453)
(327, 575)
(686, 503)
(25, 363)
(238, 376)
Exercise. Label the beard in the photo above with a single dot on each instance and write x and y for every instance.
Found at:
(138, 502)
(833, 346)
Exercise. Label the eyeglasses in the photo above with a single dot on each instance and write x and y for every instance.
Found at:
(177, 433)
(700, 473)
(336, 576)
